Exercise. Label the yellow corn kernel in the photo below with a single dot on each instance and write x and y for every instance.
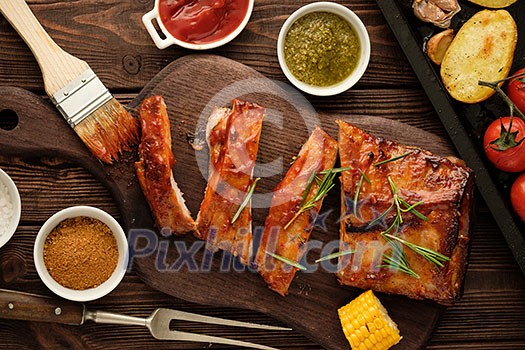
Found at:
(372, 328)
(366, 324)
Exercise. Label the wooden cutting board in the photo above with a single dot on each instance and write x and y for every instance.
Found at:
(192, 86)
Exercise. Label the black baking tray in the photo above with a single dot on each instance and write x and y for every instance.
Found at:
(464, 123)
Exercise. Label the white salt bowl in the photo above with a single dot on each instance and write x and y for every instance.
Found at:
(12, 190)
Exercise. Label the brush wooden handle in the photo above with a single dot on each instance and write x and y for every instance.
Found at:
(58, 67)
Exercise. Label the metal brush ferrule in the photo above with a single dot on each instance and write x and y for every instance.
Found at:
(81, 97)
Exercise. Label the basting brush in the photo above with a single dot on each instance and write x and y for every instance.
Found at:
(102, 123)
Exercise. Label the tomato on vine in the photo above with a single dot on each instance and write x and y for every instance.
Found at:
(516, 89)
(504, 144)
(504, 138)
(517, 196)
(503, 141)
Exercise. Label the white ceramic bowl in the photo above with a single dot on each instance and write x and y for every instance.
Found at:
(87, 294)
(169, 39)
(17, 207)
(361, 32)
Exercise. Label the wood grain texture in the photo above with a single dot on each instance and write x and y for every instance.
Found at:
(463, 326)
(111, 38)
(313, 296)
(58, 67)
(109, 35)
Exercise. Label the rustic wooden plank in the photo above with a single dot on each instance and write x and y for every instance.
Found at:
(493, 311)
(410, 106)
(132, 297)
(489, 251)
(406, 105)
(48, 185)
(49, 181)
(54, 178)
(302, 310)
(52, 181)
(485, 315)
(110, 36)
(507, 345)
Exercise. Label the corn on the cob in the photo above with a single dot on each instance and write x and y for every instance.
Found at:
(366, 324)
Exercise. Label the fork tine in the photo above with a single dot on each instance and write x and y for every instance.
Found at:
(201, 338)
(187, 316)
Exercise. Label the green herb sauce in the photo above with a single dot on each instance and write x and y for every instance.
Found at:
(321, 49)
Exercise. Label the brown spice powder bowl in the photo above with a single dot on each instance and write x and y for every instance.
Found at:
(90, 293)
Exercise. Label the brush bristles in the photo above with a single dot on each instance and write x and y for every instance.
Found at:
(109, 131)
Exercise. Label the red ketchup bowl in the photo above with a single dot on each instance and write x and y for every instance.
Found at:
(197, 24)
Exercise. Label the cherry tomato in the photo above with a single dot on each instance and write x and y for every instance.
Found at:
(506, 148)
(517, 196)
(516, 90)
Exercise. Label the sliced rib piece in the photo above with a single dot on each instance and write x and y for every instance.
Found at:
(317, 154)
(233, 140)
(444, 185)
(154, 169)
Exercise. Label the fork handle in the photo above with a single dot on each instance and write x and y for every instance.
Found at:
(31, 307)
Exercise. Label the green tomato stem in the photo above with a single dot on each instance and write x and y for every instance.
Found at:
(504, 96)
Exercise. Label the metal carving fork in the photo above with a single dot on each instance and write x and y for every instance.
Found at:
(31, 307)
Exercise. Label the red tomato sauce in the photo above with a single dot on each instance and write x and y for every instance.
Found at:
(202, 21)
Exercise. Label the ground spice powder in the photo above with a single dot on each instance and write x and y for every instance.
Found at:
(81, 253)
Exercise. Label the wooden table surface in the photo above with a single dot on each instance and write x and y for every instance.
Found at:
(109, 35)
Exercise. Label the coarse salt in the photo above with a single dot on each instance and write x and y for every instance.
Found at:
(6, 209)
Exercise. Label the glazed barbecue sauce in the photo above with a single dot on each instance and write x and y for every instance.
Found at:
(202, 21)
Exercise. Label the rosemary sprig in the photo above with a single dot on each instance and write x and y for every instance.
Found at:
(398, 220)
(301, 238)
(392, 159)
(411, 208)
(325, 185)
(398, 264)
(431, 255)
(286, 261)
(398, 203)
(309, 184)
(358, 189)
(246, 200)
(335, 255)
(334, 170)
(315, 176)
(380, 217)
(398, 259)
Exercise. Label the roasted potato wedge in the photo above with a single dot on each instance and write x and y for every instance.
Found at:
(493, 4)
(438, 44)
(483, 49)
